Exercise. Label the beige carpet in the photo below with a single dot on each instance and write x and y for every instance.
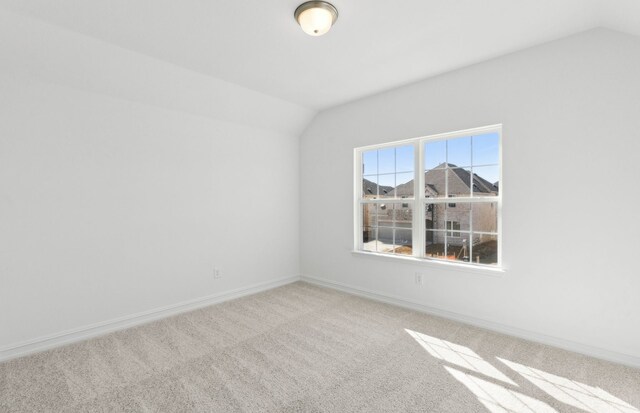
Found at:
(302, 348)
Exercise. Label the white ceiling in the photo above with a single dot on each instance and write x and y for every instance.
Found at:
(374, 46)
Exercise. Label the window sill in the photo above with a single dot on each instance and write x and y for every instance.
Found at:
(444, 265)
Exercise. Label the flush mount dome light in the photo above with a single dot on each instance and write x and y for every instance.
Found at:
(316, 17)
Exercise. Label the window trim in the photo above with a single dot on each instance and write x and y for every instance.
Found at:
(419, 200)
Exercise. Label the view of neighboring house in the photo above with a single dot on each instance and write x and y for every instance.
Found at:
(385, 223)
(445, 222)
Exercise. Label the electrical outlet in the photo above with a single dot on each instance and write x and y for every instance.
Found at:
(216, 273)
(419, 278)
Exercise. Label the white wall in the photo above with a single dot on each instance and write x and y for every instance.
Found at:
(570, 111)
(124, 181)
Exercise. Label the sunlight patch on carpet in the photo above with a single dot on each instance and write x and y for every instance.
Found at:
(459, 355)
(580, 395)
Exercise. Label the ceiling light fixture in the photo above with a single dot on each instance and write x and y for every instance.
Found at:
(316, 17)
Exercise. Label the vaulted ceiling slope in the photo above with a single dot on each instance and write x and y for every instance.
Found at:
(374, 46)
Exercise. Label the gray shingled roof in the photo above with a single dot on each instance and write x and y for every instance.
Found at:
(480, 184)
(371, 188)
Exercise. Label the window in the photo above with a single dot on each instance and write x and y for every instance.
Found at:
(453, 228)
(387, 183)
(403, 192)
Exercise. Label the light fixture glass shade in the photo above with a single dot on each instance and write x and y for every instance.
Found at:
(316, 17)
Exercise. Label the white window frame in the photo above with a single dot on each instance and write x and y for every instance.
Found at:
(419, 201)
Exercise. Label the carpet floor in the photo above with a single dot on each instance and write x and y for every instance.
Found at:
(303, 348)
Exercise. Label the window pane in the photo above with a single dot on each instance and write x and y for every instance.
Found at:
(435, 225)
(434, 244)
(370, 186)
(435, 183)
(458, 247)
(385, 239)
(386, 161)
(460, 215)
(485, 180)
(435, 154)
(459, 151)
(485, 249)
(404, 185)
(399, 215)
(370, 163)
(402, 215)
(459, 182)
(387, 228)
(434, 216)
(387, 184)
(370, 239)
(486, 149)
(385, 215)
(404, 158)
(370, 215)
(403, 241)
(485, 217)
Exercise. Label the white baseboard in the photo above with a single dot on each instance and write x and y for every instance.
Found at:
(66, 337)
(585, 349)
